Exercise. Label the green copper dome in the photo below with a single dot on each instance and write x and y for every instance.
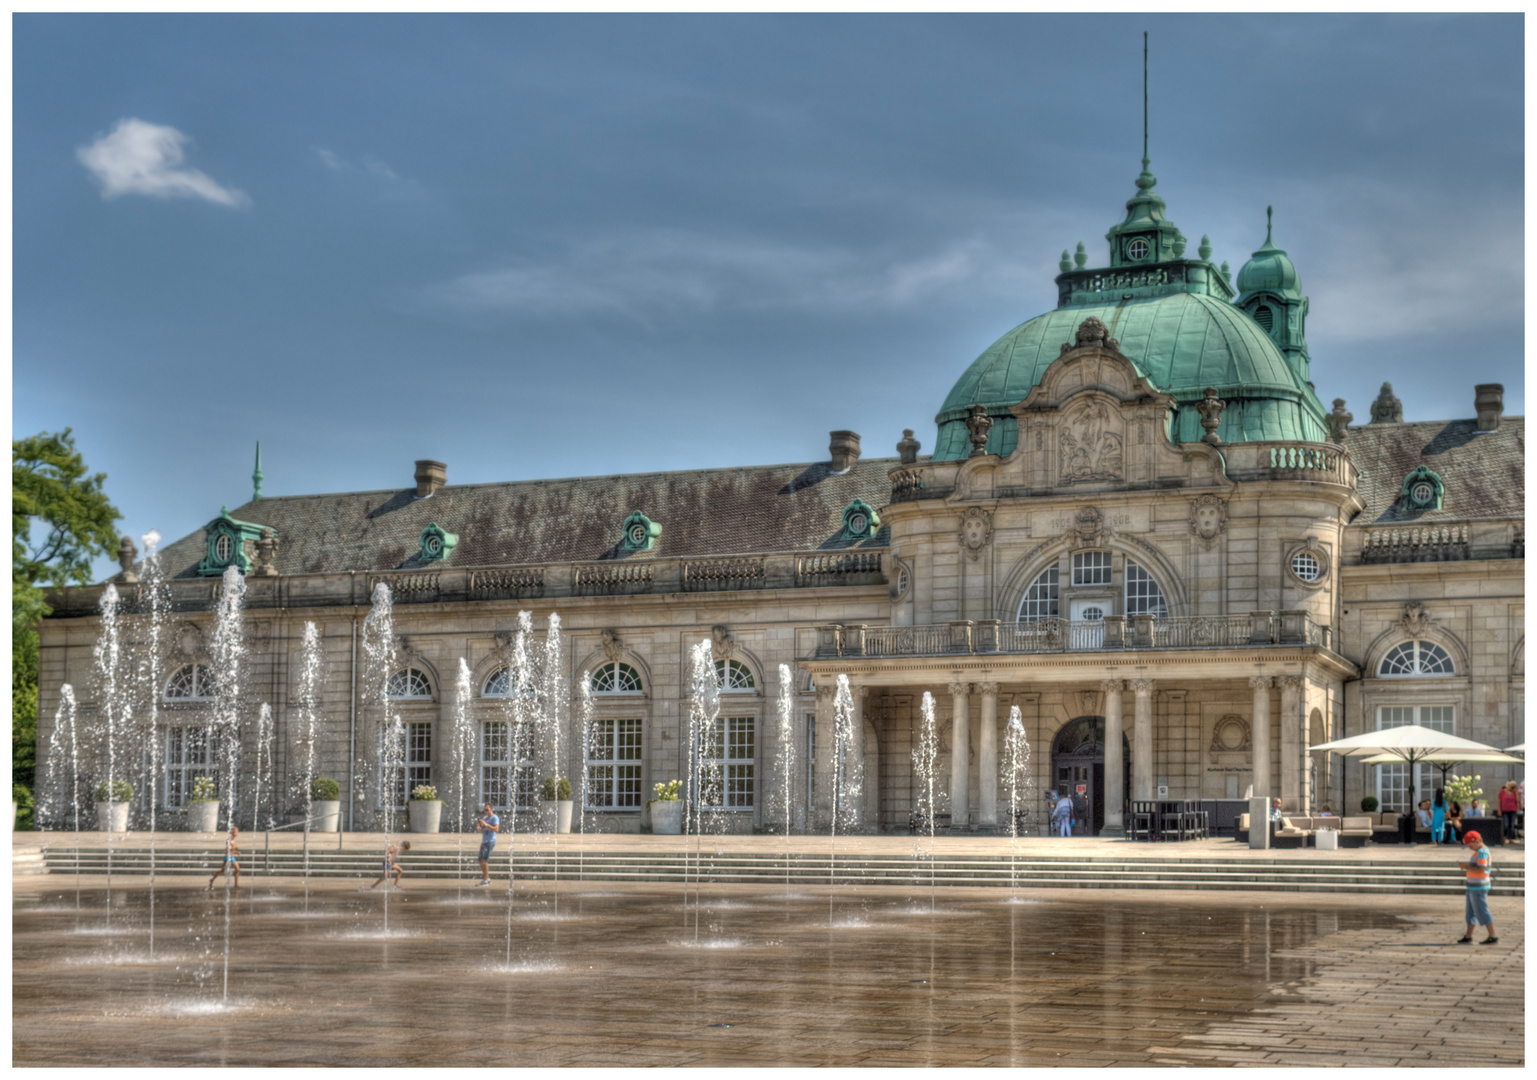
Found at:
(1269, 270)
(1182, 341)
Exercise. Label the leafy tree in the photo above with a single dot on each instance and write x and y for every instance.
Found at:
(61, 520)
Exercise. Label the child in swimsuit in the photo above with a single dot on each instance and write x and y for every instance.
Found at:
(231, 857)
(391, 853)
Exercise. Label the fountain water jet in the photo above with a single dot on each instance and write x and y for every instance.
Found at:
(228, 652)
(154, 595)
(786, 755)
(1016, 754)
(520, 688)
(379, 648)
(923, 764)
(108, 655)
(584, 716)
(464, 761)
(704, 709)
(309, 724)
(843, 738)
(64, 719)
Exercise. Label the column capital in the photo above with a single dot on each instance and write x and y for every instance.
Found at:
(1142, 687)
(990, 688)
(960, 688)
(1111, 686)
(825, 693)
(1291, 682)
(1258, 682)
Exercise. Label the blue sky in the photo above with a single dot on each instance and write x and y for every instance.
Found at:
(543, 246)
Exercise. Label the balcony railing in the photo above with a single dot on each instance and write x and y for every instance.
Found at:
(1444, 543)
(1054, 635)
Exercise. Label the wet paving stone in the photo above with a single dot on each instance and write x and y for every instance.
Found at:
(619, 977)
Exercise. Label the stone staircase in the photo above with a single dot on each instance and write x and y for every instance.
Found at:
(1309, 872)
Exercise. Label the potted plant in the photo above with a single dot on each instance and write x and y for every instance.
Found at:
(112, 806)
(557, 790)
(425, 808)
(203, 806)
(666, 808)
(325, 804)
(1369, 804)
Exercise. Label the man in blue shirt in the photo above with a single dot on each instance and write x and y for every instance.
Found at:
(489, 825)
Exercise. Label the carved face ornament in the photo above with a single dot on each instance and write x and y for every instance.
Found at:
(976, 530)
(1208, 517)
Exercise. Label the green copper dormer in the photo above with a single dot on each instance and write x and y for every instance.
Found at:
(1270, 291)
(227, 539)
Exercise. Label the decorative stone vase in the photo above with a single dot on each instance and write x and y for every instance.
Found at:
(667, 818)
(556, 814)
(425, 814)
(203, 815)
(327, 815)
(112, 816)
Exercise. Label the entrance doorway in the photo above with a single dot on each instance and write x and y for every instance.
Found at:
(1078, 762)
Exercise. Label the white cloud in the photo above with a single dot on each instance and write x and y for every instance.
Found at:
(658, 272)
(331, 160)
(371, 166)
(140, 158)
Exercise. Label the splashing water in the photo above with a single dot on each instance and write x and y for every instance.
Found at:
(154, 594)
(923, 764)
(108, 654)
(228, 655)
(379, 648)
(309, 733)
(843, 736)
(64, 721)
(786, 755)
(520, 689)
(584, 711)
(1016, 753)
(703, 781)
(550, 718)
(463, 745)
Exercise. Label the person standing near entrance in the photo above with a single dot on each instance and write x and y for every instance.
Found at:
(1081, 811)
(489, 825)
(1062, 815)
(1477, 906)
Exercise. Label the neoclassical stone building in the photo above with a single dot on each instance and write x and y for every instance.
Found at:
(1139, 525)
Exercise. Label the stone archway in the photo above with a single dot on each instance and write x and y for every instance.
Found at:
(1078, 759)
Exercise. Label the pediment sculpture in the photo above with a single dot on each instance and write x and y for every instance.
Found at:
(1091, 445)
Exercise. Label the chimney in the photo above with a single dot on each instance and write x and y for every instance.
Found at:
(430, 475)
(1489, 402)
(844, 446)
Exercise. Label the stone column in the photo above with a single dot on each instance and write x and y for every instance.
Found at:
(1291, 743)
(1260, 734)
(1142, 741)
(819, 800)
(987, 758)
(960, 755)
(1115, 765)
(855, 764)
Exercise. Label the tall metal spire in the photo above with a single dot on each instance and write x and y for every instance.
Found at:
(256, 477)
(1146, 181)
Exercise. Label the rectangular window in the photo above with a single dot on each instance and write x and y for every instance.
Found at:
(190, 752)
(411, 764)
(726, 764)
(613, 765)
(1040, 600)
(507, 770)
(1091, 568)
(1393, 780)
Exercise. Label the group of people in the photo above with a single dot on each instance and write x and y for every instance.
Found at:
(488, 824)
(1445, 817)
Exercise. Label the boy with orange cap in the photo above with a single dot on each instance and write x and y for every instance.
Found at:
(1477, 907)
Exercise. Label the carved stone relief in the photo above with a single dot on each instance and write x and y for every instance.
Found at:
(976, 530)
(1208, 518)
(721, 642)
(1231, 735)
(1415, 620)
(1091, 445)
(611, 646)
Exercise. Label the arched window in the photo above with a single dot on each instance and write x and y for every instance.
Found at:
(615, 678)
(192, 683)
(733, 676)
(1415, 658)
(409, 684)
(1040, 600)
(1143, 596)
(500, 683)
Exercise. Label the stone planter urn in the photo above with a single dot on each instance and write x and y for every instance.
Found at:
(425, 814)
(203, 815)
(556, 813)
(327, 815)
(112, 816)
(667, 817)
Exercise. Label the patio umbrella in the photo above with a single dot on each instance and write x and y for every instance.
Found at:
(1519, 748)
(1407, 745)
(1446, 760)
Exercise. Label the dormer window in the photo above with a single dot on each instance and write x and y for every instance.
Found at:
(1265, 317)
(1137, 250)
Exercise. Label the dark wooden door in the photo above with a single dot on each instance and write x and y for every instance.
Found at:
(1097, 797)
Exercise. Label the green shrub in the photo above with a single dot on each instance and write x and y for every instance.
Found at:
(204, 790)
(427, 793)
(1464, 789)
(1369, 804)
(122, 791)
(22, 795)
(324, 789)
(556, 787)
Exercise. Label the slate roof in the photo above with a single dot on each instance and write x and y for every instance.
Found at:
(1484, 472)
(703, 512)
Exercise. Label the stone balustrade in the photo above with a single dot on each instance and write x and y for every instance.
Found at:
(1256, 628)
